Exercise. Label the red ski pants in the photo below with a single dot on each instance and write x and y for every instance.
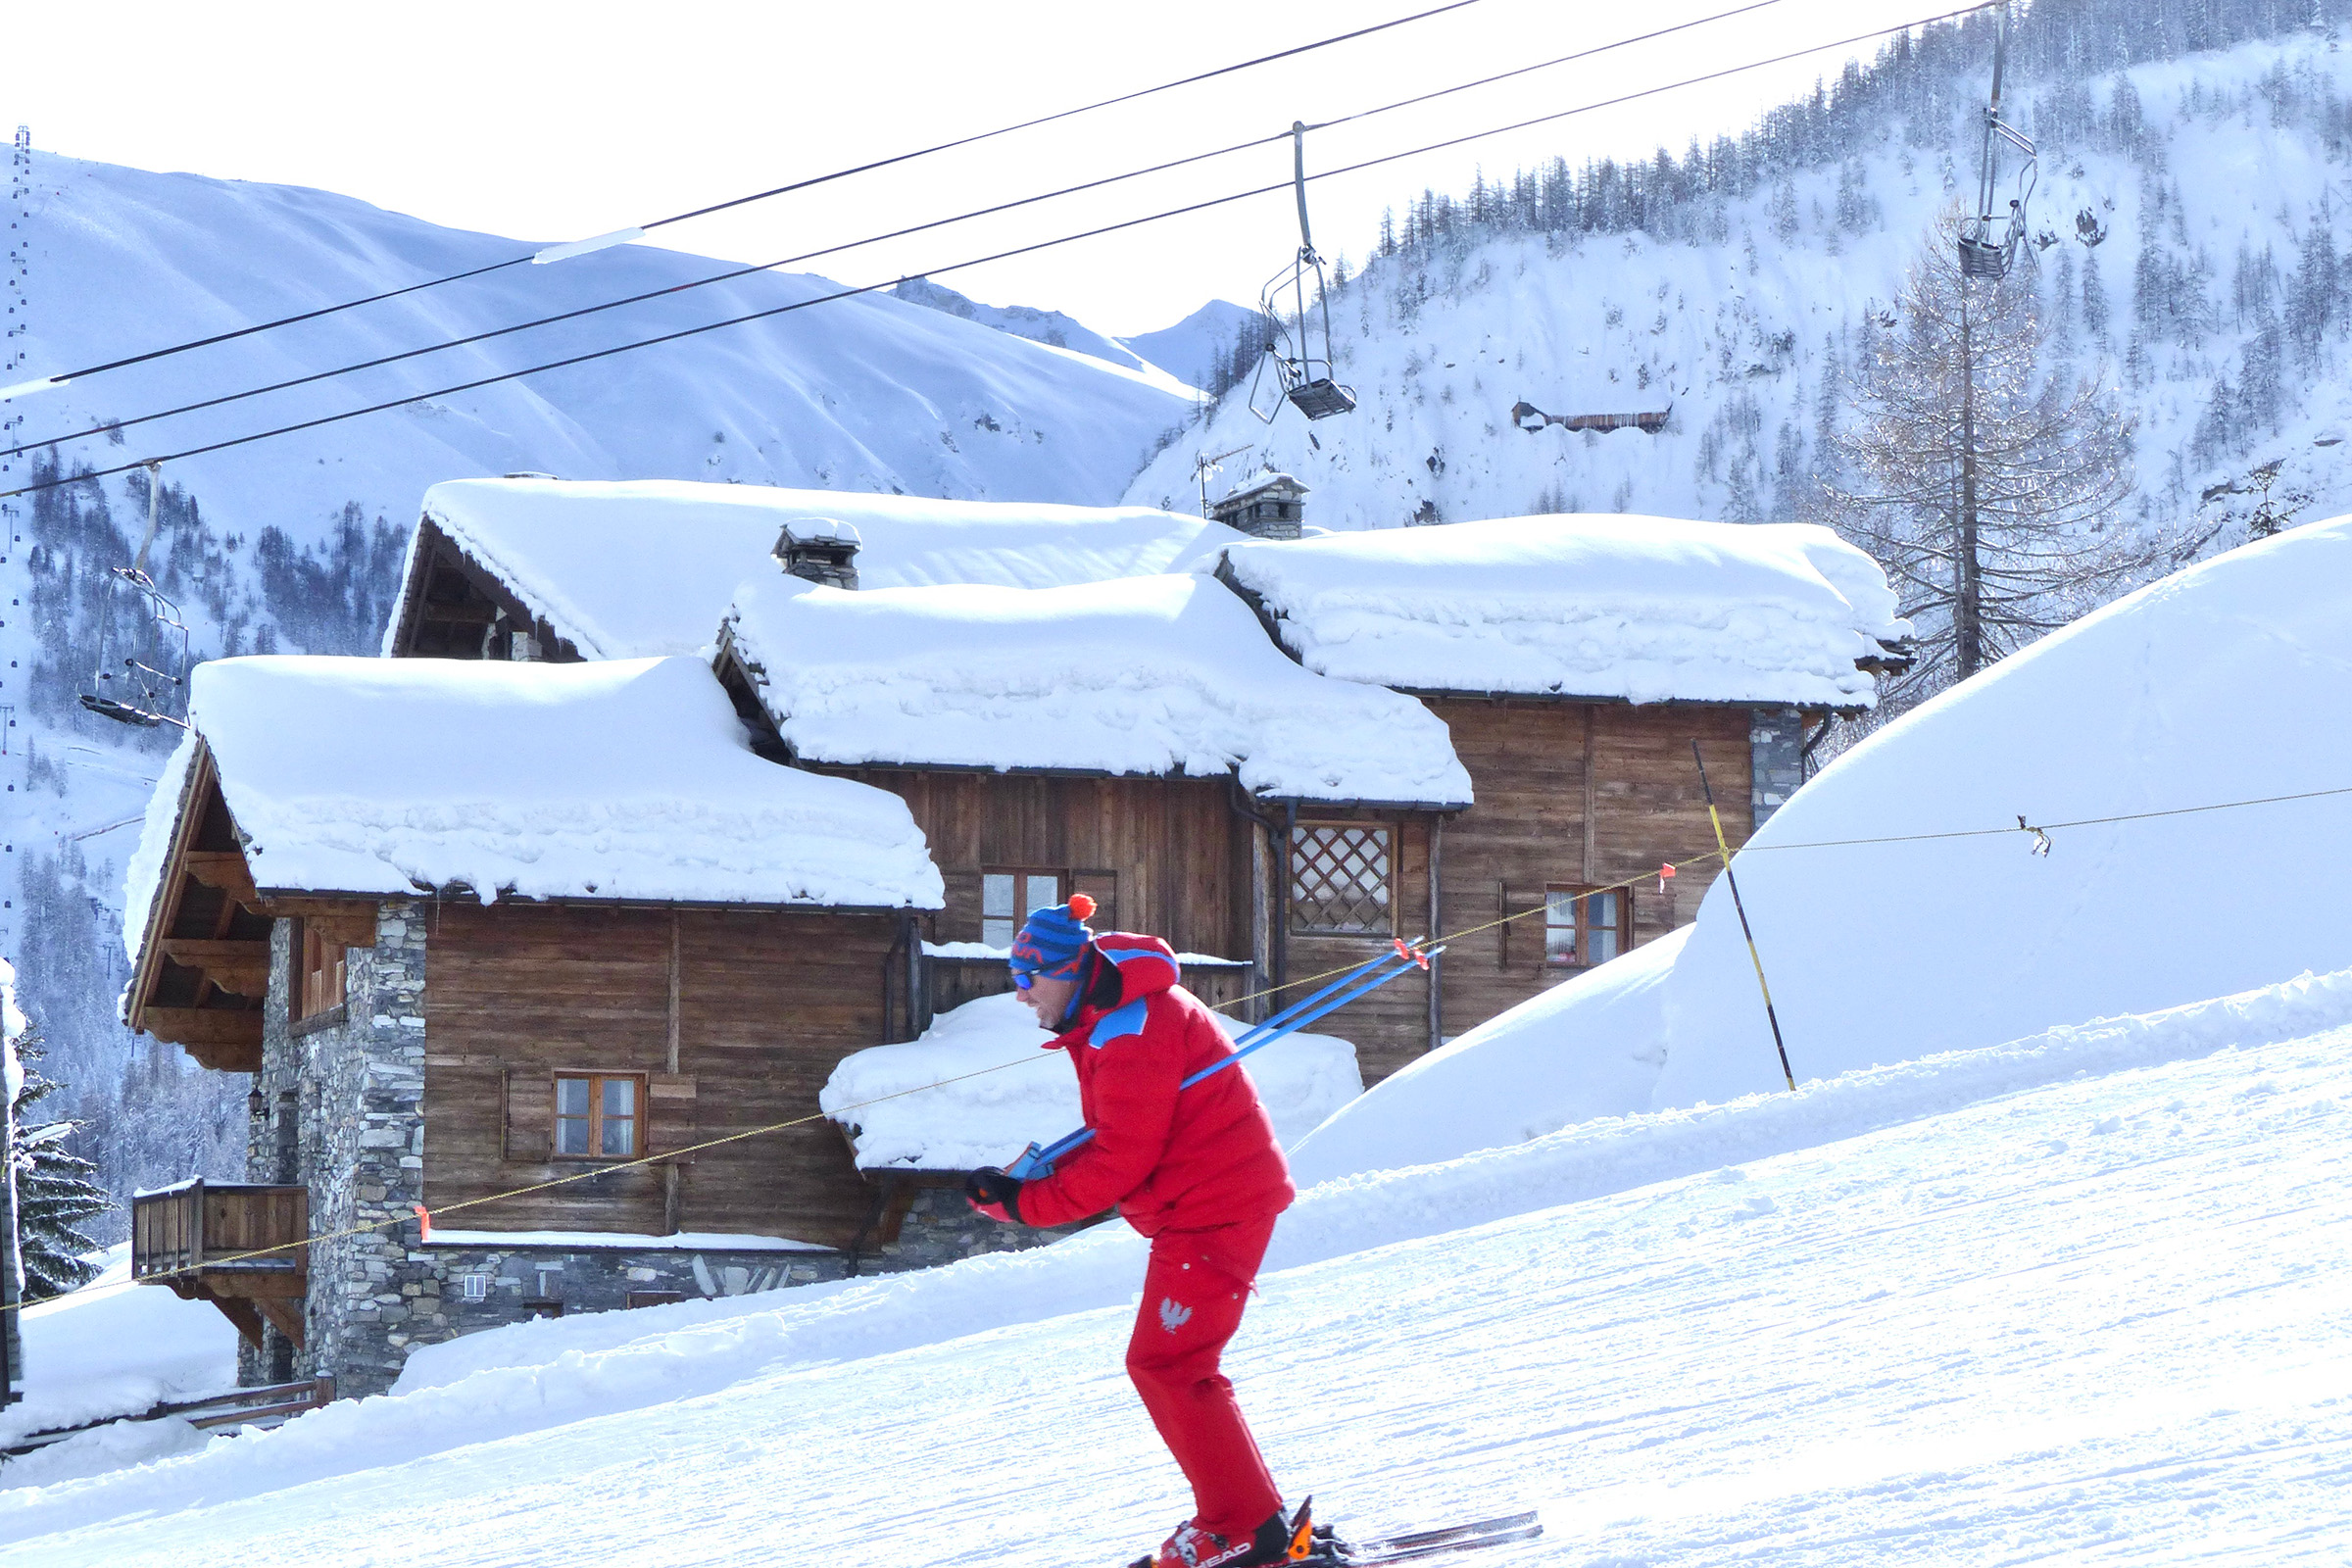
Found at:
(1194, 1293)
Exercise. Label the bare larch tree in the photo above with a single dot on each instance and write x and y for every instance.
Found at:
(1987, 488)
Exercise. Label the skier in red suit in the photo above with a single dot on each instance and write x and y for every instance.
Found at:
(1199, 1172)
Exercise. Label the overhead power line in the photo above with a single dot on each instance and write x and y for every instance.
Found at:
(982, 261)
(622, 236)
(113, 427)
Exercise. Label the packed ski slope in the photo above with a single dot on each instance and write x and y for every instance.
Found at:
(2075, 1298)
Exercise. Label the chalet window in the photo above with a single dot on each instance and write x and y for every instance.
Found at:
(1340, 879)
(319, 976)
(1006, 895)
(599, 1115)
(1582, 929)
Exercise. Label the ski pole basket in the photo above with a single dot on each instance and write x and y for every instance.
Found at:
(1297, 329)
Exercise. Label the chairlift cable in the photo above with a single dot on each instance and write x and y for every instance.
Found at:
(982, 261)
(112, 427)
(623, 236)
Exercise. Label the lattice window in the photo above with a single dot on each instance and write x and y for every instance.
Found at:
(1340, 879)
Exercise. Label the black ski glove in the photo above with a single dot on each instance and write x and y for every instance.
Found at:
(992, 1192)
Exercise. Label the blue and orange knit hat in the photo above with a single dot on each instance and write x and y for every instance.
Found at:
(1053, 939)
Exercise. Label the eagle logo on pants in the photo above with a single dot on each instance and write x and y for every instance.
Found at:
(1171, 1316)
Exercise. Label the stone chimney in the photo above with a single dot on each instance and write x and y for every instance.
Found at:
(819, 549)
(1267, 506)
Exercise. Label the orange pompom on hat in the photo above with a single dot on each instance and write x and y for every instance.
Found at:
(1053, 939)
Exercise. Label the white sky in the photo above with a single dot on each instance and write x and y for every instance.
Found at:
(552, 122)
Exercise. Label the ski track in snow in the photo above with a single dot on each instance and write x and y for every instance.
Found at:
(2096, 1318)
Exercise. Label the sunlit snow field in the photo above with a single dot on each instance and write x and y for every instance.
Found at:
(2099, 1320)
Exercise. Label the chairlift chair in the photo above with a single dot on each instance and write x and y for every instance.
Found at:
(1303, 377)
(1982, 253)
(142, 640)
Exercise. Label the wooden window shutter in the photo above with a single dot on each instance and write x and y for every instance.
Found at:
(959, 920)
(670, 1116)
(1103, 886)
(1512, 945)
(531, 1114)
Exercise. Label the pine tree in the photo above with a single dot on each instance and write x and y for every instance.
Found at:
(1983, 486)
(54, 1190)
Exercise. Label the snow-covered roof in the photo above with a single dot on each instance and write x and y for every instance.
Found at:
(630, 779)
(973, 1117)
(1645, 609)
(1262, 481)
(1153, 675)
(637, 569)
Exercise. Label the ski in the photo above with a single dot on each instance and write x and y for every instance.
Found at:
(1501, 1531)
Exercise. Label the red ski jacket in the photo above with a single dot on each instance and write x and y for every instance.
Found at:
(1189, 1161)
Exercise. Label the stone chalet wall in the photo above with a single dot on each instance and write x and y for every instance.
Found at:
(342, 1112)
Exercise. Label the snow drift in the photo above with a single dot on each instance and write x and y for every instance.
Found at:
(2229, 681)
(987, 1120)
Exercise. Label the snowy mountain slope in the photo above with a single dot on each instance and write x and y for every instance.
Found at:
(295, 544)
(2072, 1297)
(1187, 356)
(2216, 298)
(1194, 350)
(1049, 327)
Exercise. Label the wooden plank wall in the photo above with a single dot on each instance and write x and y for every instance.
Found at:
(1580, 792)
(1177, 854)
(769, 1003)
(1390, 1026)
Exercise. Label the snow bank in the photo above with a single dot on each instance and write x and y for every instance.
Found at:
(1645, 609)
(1152, 675)
(640, 568)
(111, 1349)
(1589, 1048)
(624, 780)
(2229, 681)
(987, 1120)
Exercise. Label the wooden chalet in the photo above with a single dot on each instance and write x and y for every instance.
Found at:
(1137, 738)
(483, 927)
(1575, 662)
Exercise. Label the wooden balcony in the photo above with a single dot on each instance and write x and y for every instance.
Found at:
(198, 1239)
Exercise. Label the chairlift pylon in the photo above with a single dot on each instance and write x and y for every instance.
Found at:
(1303, 377)
(1982, 254)
(142, 640)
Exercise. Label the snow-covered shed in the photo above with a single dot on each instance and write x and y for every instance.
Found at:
(1138, 739)
(540, 568)
(1576, 660)
(477, 927)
